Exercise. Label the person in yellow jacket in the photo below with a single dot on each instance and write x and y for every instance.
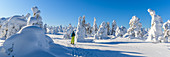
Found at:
(73, 37)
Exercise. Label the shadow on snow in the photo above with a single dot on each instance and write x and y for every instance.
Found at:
(118, 42)
(72, 51)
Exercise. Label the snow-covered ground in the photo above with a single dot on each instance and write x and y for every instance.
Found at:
(116, 47)
(119, 47)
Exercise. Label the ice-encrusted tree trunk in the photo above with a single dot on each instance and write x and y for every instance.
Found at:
(114, 26)
(166, 27)
(94, 31)
(102, 31)
(108, 28)
(80, 32)
(135, 28)
(155, 31)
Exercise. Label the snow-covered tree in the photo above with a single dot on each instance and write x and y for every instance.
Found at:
(108, 28)
(60, 29)
(102, 31)
(145, 32)
(123, 29)
(83, 22)
(36, 15)
(12, 26)
(88, 29)
(155, 31)
(68, 33)
(80, 32)
(27, 16)
(166, 27)
(94, 31)
(45, 28)
(32, 21)
(135, 28)
(114, 27)
(120, 31)
(3, 31)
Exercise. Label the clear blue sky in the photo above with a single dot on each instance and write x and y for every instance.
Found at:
(56, 12)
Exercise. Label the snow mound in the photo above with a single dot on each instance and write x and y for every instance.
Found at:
(26, 41)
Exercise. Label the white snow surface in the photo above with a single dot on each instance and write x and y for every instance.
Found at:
(116, 47)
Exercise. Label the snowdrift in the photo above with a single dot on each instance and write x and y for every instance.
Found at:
(28, 40)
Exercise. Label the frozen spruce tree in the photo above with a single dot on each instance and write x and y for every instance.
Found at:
(102, 31)
(114, 27)
(12, 26)
(88, 29)
(108, 28)
(135, 28)
(36, 19)
(155, 31)
(2, 27)
(120, 31)
(83, 22)
(60, 29)
(94, 30)
(68, 32)
(45, 28)
(80, 32)
(166, 27)
(123, 29)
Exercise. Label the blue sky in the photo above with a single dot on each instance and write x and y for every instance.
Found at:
(63, 12)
